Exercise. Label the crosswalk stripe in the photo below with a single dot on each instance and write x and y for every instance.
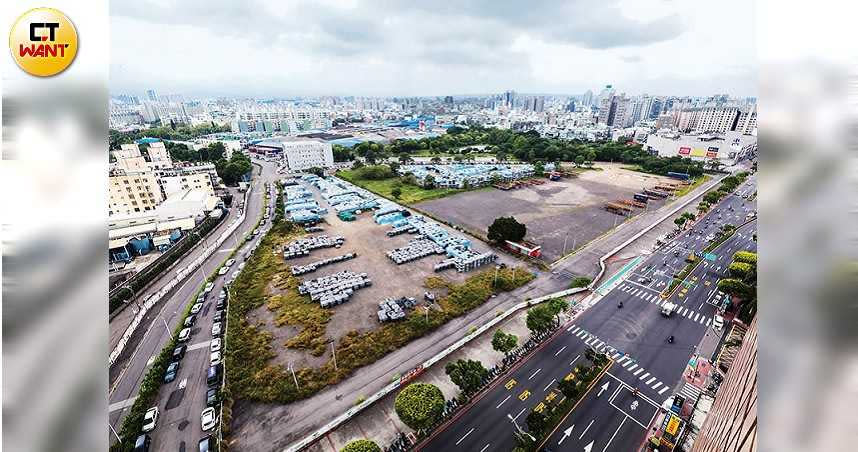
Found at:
(649, 382)
(662, 390)
(590, 341)
(702, 319)
(574, 328)
(632, 368)
(640, 369)
(581, 334)
(656, 386)
(625, 364)
(696, 316)
(689, 314)
(682, 312)
(617, 355)
(644, 376)
(708, 321)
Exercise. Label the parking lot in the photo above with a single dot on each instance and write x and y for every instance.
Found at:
(560, 216)
(359, 313)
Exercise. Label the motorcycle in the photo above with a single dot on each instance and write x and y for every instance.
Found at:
(670, 339)
(620, 304)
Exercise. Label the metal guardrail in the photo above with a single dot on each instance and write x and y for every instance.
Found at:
(154, 298)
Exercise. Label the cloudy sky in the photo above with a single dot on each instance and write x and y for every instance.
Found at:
(389, 48)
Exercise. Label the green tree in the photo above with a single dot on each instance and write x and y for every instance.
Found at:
(504, 342)
(429, 181)
(591, 157)
(536, 422)
(361, 445)
(680, 221)
(435, 160)
(506, 228)
(538, 169)
(740, 269)
(579, 160)
(540, 318)
(317, 171)
(468, 375)
(419, 405)
(735, 288)
(396, 192)
(569, 388)
(746, 257)
(557, 306)
(357, 164)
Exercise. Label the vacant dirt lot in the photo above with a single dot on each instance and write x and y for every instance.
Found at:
(569, 210)
(367, 239)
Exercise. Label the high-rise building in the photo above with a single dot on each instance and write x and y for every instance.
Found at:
(656, 108)
(587, 99)
(150, 95)
(539, 105)
(509, 99)
(132, 191)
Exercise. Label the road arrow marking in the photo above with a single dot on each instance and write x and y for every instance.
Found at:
(588, 447)
(634, 405)
(566, 434)
(603, 388)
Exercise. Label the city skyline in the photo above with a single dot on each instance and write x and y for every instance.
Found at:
(388, 50)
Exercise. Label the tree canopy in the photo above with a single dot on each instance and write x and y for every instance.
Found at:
(419, 405)
(468, 375)
(504, 342)
(361, 445)
(506, 228)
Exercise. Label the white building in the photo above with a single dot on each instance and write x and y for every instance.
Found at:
(727, 148)
(198, 177)
(131, 192)
(298, 153)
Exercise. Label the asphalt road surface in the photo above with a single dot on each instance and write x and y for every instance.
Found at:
(634, 336)
(181, 401)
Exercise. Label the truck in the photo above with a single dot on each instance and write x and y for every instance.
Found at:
(680, 176)
(668, 309)
(640, 197)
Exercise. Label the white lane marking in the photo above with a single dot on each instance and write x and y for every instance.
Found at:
(644, 376)
(632, 368)
(590, 341)
(549, 385)
(656, 386)
(573, 361)
(614, 435)
(627, 363)
(640, 369)
(708, 321)
(463, 438)
(489, 444)
(585, 430)
(519, 414)
(581, 334)
(574, 328)
(121, 404)
(558, 351)
(534, 374)
(616, 355)
(662, 390)
(504, 400)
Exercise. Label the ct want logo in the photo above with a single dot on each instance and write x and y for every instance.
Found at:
(43, 42)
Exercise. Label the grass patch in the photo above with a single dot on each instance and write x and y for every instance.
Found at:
(411, 194)
(266, 281)
(688, 188)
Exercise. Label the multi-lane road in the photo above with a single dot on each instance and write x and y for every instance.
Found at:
(181, 401)
(634, 336)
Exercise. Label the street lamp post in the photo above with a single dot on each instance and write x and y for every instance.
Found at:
(518, 429)
(167, 327)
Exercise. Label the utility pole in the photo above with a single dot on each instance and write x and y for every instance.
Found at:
(334, 352)
(564, 243)
(292, 369)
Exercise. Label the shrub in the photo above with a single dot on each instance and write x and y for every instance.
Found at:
(419, 405)
(361, 445)
(581, 281)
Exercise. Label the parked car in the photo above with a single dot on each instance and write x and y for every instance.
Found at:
(150, 419)
(220, 304)
(215, 358)
(208, 287)
(197, 307)
(218, 316)
(208, 444)
(215, 344)
(142, 443)
(229, 262)
(172, 370)
(222, 294)
(179, 352)
(213, 376)
(212, 397)
(208, 419)
(718, 322)
(190, 320)
(184, 335)
(201, 298)
(216, 329)
(223, 270)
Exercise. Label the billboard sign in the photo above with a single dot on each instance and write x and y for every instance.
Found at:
(684, 150)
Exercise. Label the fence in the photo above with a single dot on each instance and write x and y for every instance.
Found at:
(180, 276)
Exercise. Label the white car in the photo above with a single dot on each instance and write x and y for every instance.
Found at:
(208, 419)
(241, 266)
(668, 308)
(216, 329)
(215, 358)
(223, 270)
(184, 335)
(208, 287)
(196, 308)
(150, 419)
(718, 323)
(215, 345)
(229, 262)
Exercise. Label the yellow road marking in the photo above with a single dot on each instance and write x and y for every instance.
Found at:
(551, 396)
(539, 407)
(510, 384)
(571, 376)
(524, 395)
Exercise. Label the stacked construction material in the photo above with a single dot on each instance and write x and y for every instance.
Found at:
(391, 309)
(415, 249)
(314, 229)
(334, 289)
(473, 260)
(304, 269)
(302, 247)
(401, 230)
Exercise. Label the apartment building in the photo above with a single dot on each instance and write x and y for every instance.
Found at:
(131, 192)
(718, 119)
(202, 178)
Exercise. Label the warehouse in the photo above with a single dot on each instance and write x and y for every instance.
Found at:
(728, 148)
